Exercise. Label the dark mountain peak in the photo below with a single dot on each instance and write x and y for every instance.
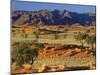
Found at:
(54, 17)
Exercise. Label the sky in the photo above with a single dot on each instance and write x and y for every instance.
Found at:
(35, 6)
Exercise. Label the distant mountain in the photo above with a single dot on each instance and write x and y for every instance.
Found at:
(55, 17)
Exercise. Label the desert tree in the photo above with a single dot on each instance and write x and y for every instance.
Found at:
(36, 37)
(56, 34)
(65, 33)
(91, 40)
(23, 54)
(24, 34)
(81, 37)
(13, 33)
(88, 31)
(36, 33)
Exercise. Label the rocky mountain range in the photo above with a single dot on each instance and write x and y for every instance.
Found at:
(55, 17)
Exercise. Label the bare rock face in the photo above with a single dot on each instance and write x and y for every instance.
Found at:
(55, 17)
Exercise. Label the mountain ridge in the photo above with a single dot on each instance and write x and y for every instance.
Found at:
(54, 17)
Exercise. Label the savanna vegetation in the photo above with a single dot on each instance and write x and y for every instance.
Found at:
(53, 48)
